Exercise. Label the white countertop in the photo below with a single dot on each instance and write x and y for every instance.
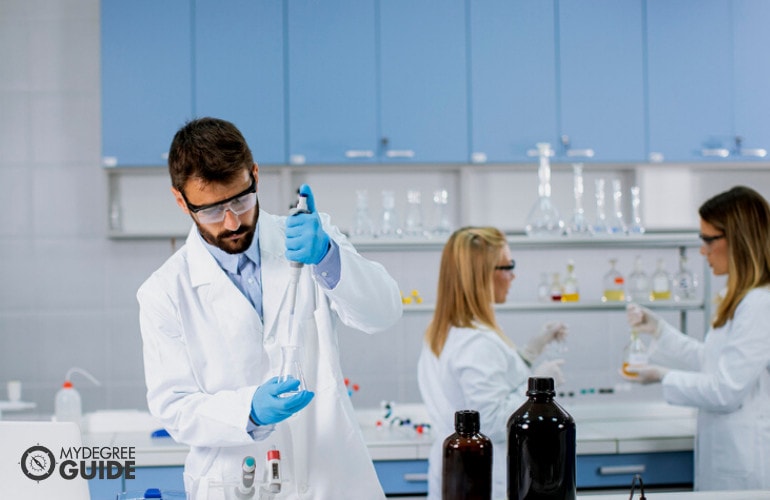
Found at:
(602, 428)
(687, 495)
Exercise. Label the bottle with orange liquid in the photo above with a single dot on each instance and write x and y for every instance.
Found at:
(635, 355)
(614, 285)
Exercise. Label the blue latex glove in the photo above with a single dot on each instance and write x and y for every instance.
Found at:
(306, 241)
(267, 407)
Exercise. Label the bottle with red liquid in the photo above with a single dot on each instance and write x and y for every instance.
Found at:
(467, 461)
(541, 447)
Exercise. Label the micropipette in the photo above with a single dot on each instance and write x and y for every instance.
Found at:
(246, 488)
(296, 269)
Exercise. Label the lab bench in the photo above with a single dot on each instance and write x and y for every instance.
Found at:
(614, 442)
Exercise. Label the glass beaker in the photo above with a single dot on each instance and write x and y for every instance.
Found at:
(543, 219)
(614, 285)
(442, 225)
(291, 368)
(578, 224)
(636, 226)
(389, 227)
(413, 219)
(362, 223)
(661, 283)
(616, 224)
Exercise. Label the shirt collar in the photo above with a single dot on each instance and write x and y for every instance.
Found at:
(228, 261)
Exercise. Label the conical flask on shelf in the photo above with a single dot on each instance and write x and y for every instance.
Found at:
(543, 219)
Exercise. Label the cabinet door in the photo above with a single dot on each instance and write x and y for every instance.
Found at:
(239, 70)
(332, 81)
(751, 39)
(146, 78)
(601, 79)
(163, 478)
(512, 78)
(689, 79)
(423, 81)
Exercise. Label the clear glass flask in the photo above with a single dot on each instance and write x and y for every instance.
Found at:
(543, 219)
(556, 289)
(578, 224)
(616, 223)
(636, 226)
(362, 222)
(614, 284)
(389, 227)
(291, 367)
(544, 288)
(413, 219)
(635, 355)
(661, 283)
(638, 282)
(685, 285)
(442, 226)
(570, 287)
(600, 225)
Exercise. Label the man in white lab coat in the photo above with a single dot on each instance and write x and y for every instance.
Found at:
(215, 315)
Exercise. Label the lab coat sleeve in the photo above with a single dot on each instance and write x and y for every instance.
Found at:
(676, 350)
(481, 367)
(366, 297)
(742, 357)
(190, 415)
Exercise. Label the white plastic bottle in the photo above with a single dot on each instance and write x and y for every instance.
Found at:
(68, 406)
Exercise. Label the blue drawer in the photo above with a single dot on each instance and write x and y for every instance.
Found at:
(669, 468)
(403, 476)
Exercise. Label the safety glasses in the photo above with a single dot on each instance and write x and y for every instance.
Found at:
(215, 212)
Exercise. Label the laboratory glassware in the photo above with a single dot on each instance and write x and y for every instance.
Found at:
(389, 227)
(600, 225)
(362, 222)
(638, 282)
(616, 223)
(466, 470)
(68, 406)
(544, 288)
(635, 355)
(413, 219)
(541, 446)
(636, 226)
(556, 288)
(614, 284)
(442, 225)
(291, 368)
(685, 284)
(661, 283)
(571, 291)
(578, 225)
(543, 219)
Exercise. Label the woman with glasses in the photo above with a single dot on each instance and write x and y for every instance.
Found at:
(727, 375)
(467, 362)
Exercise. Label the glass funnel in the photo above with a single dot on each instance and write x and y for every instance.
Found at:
(291, 368)
(543, 219)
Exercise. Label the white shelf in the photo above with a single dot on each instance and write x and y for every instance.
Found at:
(583, 305)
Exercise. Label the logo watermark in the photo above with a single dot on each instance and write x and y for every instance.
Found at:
(95, 462)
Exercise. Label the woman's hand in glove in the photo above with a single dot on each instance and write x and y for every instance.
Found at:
(643, 320)
(649, 374)
(552, 331)
(550, 369)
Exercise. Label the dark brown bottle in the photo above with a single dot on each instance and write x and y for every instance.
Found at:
(467, 461)
(541, 447)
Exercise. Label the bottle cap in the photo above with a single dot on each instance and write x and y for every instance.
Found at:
(273, 455)
(67, 384)
(467, 421)
(539, 385)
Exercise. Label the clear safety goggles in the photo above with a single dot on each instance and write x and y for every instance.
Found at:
(238, 204)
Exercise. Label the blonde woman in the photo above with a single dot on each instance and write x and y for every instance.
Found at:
(727, 375)
(467, 362)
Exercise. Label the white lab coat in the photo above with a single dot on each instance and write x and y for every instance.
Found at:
(475, 371)
(206, 351)
(727, 378)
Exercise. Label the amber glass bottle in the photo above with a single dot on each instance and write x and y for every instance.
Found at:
(541, 447)
(467, 461)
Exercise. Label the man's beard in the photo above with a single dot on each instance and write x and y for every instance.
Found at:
(222, 242)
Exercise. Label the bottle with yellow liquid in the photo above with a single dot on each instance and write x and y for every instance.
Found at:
(570, 287)
(614, 285)
(661, 283)
(635, 355)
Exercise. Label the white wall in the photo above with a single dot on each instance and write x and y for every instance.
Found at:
(67, 291)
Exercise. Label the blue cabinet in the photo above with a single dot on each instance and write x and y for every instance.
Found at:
(332, 81)
(689, 79)
(512, 78)
(239, 71)
(423, 81)
(601, 80)
(403, 477)
(656, 469)
(146, 78)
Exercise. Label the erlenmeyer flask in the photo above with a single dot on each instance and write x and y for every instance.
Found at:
(389, 227)
(616, 224)
(362, 223)
(578, 224)
(543, 219)
(636, 226)
(600, 226)
(291, 367)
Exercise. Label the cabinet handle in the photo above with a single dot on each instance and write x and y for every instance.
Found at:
(610, 470)
(580, 153)
(478, 157)
(297, 159)
(110, 161)
(399, 153)
(755, 153)
(717, 152)
(164, 156)
(359, 153)
(415, 477)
